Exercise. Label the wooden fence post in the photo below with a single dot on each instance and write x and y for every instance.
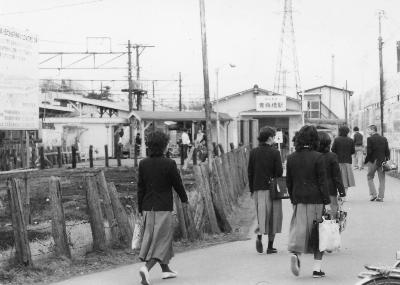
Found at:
(182, 154)
(232, 146)
(204, 187)
(22, 249)
(59, 156)
(58, 220)
(215, 149)
(91, 156)
(120, 214)
(73, 150)
(221, 149)
(27, 200)
(194, 157)
(95, 214)
(103, 191)
(41, 155)
(181, 217)
(106, 155)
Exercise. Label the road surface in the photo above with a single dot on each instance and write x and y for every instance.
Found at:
(372, 236)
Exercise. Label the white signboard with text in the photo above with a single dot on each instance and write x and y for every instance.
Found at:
(19, 80)
(271, 103)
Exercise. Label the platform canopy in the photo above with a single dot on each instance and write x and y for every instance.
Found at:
(177, 116)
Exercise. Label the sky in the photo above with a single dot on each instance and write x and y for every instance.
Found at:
(245, 33)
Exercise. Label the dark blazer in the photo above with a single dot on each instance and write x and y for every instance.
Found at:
(157, 176)
(344, 148)
(358, 139)
(306, 178)
(377, 149)
(264, 163)
(333, 174)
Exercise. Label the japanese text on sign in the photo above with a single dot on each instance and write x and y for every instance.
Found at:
(19, 80)
(271, 103)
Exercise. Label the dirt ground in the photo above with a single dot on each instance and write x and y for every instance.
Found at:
(56, 269)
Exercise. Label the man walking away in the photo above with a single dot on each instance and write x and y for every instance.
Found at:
(377, 152)
(185, 143)
(359, 145)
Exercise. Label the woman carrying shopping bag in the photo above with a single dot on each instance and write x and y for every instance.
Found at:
(306, 182)
(333, 174)
(264, 167)
(157, 176)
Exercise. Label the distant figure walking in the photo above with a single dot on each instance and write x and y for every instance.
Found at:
(333, 174)
(185, 143)
(377, 152)
(343, 146)
(264, 167)
(157, 176)
(359, 148)
(306, 182)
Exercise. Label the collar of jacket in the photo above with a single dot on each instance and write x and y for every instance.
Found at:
(264, 144)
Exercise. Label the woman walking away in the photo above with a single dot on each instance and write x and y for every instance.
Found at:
(306, 182)
(343, 146)
(265, 165)
(157, 176)
(333, 174)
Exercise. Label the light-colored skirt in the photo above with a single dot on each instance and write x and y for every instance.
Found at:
(157, 237)
(269, 213)
(301, 226)
(347, 175)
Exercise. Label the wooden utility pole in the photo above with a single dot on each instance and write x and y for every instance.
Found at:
(154, 102)
(207, 103)
(381, 82)
(180, 92)
(130, 91)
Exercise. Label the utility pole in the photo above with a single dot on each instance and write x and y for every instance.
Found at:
(381, 13)
(180, 92)
(207, 103)
(130, 93)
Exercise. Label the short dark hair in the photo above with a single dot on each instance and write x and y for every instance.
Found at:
(265, 134)
(356, 129)
(373, 127)
(324, 142)
(307, 138)
(343, 131)
(157, 142)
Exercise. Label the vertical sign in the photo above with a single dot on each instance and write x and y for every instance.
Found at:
(19, 80)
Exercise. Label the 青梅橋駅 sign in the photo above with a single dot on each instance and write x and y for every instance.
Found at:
(271, 103)
(19, 80)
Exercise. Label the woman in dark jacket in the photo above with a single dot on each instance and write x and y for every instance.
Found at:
(344, 147)
(157, 176)
(265, 165)
(333, 174)
(306, 182)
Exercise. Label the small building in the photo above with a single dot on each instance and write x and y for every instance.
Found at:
(255, 108)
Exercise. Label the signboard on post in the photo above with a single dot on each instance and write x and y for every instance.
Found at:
(279, 137)
(270, 103)
(19, 80)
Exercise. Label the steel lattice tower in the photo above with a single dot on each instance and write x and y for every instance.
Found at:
(287, 78)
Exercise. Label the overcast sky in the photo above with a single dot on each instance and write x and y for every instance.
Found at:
(243, 32)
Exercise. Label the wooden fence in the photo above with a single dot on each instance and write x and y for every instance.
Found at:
(395, 156)
(212, 199)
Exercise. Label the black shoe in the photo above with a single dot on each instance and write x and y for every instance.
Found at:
(373, 199)
(271, 250)
(318, 274)
(259, 246)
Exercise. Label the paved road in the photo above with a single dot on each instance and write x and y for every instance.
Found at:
(372, 236)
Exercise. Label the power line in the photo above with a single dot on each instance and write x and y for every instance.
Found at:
(49, 8)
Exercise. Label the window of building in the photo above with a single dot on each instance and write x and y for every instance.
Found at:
(313, 109)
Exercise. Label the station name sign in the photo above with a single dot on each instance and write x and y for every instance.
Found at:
(271, 103)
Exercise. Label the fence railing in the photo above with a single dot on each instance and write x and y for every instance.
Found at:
(84, 200)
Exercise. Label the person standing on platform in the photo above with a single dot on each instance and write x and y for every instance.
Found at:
(343, 146)
(157, 176)
(359, 148)
(185, 143)
(333, 174)
(264, 166)
(377, 152)
(308, 192)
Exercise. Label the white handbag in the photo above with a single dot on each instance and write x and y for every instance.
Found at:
(329, 235)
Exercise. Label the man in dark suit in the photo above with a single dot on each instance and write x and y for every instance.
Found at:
(377, 152)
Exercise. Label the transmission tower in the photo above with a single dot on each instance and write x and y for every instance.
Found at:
(287, 78)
